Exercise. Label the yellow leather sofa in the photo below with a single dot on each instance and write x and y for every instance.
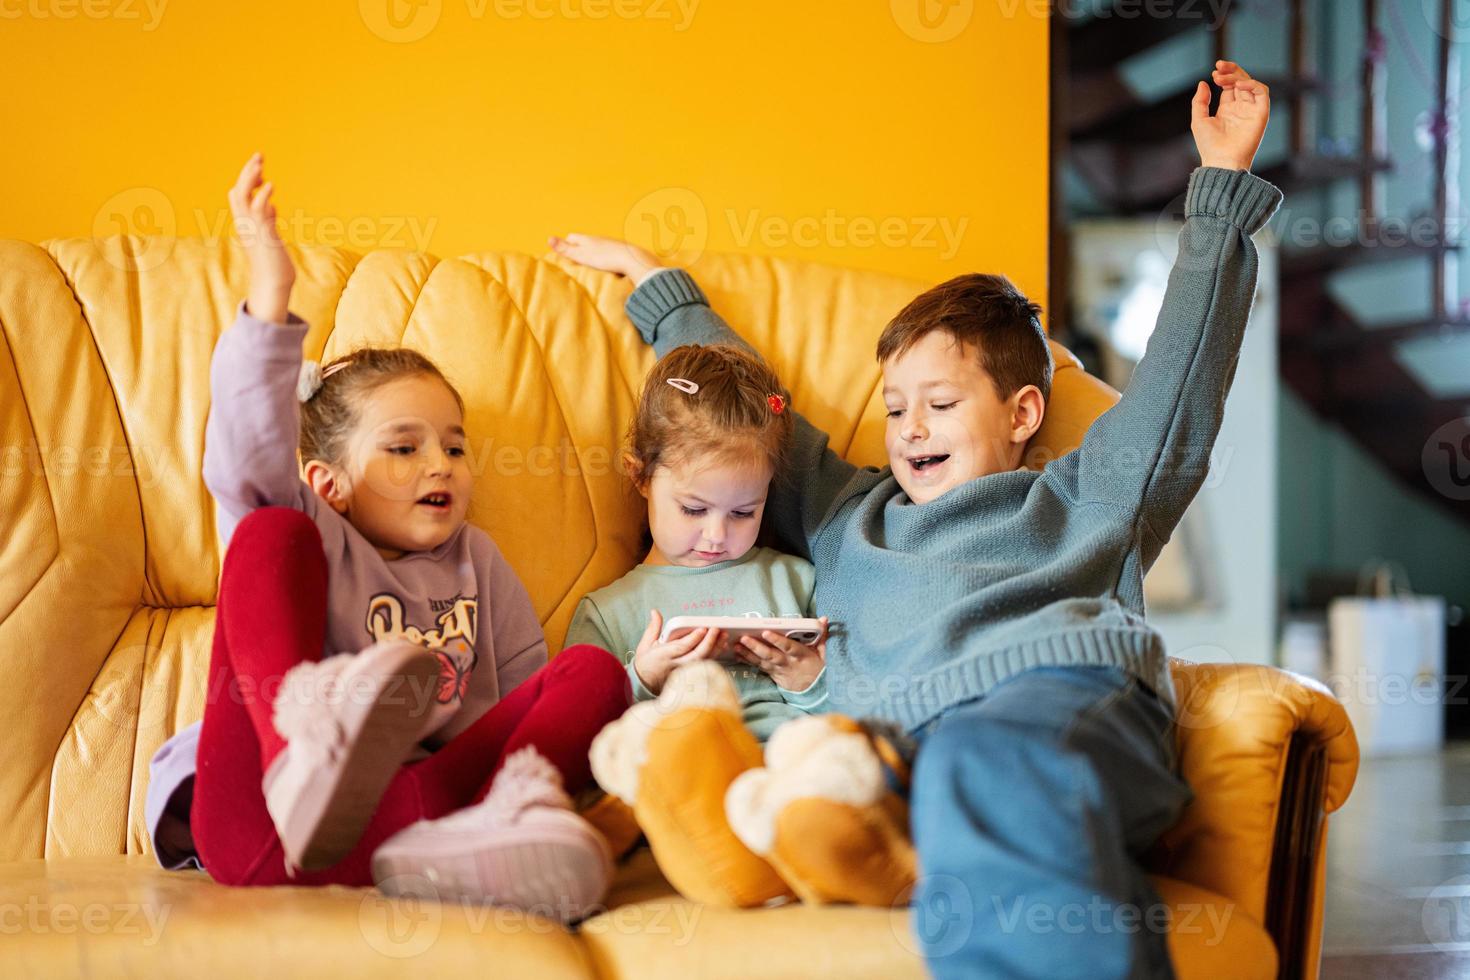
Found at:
(108, 566)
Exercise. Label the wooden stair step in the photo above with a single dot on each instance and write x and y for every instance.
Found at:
(1125, 118)
(1322, 259)
(1123, 30)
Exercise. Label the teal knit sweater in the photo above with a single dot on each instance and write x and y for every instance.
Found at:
(934, 604)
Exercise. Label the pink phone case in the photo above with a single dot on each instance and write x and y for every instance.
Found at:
(800, 629)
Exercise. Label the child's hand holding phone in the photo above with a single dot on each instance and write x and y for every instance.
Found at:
(790, 663)
(655, 659)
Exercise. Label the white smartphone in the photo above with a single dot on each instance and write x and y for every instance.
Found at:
(800, 629)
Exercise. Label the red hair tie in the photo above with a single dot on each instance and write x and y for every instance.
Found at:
(777, 403)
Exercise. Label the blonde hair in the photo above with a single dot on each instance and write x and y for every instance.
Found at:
(740, 403)
(332, 412)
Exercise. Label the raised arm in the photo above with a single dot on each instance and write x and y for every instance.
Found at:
(1151, 451)
(254, 421)
(251, 435)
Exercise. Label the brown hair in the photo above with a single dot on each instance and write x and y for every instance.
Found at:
(736, 405)
(329, 416)
(987, 313)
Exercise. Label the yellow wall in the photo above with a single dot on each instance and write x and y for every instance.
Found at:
(845, 131)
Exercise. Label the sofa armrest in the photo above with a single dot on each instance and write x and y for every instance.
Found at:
(1268, 754)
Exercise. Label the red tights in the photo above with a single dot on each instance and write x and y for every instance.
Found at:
(271, 616)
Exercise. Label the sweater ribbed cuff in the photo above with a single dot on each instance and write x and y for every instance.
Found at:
(1236, 196)
(275, 344)
(813, 696)
(661, 294)
(243, 315)
(640, 690)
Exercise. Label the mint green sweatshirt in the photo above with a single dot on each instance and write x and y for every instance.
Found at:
(934, 604)
(761, 582)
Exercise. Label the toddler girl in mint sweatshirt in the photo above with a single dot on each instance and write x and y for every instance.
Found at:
(711, 429)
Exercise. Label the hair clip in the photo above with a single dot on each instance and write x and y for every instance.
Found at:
(777, 403)
(687, 387)
(309, 379)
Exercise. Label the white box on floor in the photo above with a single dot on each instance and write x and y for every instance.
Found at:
(1388, 662)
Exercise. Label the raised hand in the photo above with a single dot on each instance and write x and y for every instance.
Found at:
(607, 254)
(1230, 137)
(271, 272)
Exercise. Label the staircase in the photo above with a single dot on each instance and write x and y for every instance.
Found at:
(1135, 155)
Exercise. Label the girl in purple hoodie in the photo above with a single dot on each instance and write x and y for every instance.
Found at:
(377, 664)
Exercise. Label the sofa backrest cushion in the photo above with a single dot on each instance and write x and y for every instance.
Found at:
(108, 554)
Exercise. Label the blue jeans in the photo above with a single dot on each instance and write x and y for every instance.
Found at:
(1031, 807)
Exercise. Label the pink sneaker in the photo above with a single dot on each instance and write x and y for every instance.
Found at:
(349, 722)
(522, 846)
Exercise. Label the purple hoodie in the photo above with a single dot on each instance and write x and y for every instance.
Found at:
(462, 599)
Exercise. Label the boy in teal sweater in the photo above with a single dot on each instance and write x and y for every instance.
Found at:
(996, 612)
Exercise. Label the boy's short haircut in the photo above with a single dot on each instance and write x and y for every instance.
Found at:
(987, 313)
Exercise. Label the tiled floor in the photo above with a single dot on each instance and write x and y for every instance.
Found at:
(1398, 872)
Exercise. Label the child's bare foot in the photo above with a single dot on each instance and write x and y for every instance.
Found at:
(271, 271)
(607, 254)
